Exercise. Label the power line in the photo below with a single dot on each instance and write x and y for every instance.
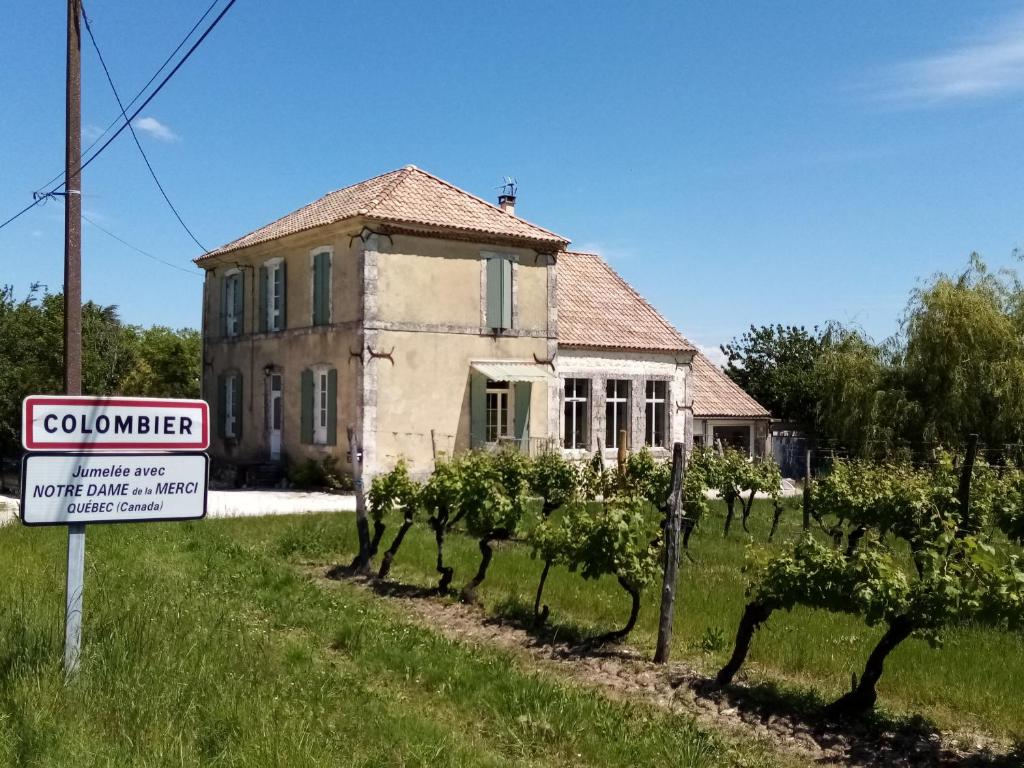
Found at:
(135, 248)
(40, 197)
(135, 136)
(141, 91)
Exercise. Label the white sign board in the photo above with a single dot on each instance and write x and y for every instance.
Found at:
(56, 423)
(68, 488)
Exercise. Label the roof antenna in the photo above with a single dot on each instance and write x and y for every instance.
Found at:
(507, 196)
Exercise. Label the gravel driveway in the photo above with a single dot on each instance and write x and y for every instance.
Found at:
(243, 504)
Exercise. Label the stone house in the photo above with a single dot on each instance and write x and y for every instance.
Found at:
(419, 319)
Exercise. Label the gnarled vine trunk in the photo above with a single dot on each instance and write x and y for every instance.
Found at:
(864, 694)
(389, 556)
(747, 505)
(378, 533)
(754, 615)
(776, 516)
(730, 505)
(540, 614)
(486, 553)
(634, 611)
(439, 524)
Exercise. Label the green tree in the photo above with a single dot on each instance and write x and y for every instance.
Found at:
(775, 365)
(167, 363)
(965, 356)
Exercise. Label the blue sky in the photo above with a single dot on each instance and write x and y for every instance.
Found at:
(792, 162)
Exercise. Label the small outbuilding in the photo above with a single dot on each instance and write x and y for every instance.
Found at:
(722, 410)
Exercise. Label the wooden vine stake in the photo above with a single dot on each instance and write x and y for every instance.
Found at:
(807, 489)
(673, 525)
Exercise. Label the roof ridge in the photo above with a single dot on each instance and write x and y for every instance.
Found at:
(401, 174)
(470, 195)
(644, 301)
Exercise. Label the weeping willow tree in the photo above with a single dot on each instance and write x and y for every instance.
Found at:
(956, 367)
(964, 361)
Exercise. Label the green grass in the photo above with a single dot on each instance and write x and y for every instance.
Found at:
(205, 645)
(972, 683)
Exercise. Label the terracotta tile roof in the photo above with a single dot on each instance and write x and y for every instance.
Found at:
(715, 394)
(408, 196)
(598, 309)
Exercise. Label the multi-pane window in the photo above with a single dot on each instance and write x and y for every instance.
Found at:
(320, 398)
(234, 299)
(231, 397)
(656, 413)
(499, 292)
(272, 294)
(322, 287)
(616, 411)
(499, 411)
(577, 413)
(318, 418)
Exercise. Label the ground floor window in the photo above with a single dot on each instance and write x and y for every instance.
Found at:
(499, 411)
(616, 411)
(230, 396)
(320, 400)
(656, 413)
(319, 416)
(577, 413)
(737, 437)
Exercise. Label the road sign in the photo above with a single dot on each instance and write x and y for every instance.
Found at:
(56, 423)
(75, 488)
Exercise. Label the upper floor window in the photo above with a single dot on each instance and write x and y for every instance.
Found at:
(616, 411)
(233, 302)
(577, 413)
(498, 285)
(322, 286)
(272, 295)
(656, 413)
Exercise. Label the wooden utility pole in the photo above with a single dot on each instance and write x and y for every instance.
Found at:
(73, 315)
(672, 527)
(807, 488)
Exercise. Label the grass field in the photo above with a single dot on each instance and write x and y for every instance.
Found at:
(205, 645)
(972, 683)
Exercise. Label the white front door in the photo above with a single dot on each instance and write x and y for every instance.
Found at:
(274, 411)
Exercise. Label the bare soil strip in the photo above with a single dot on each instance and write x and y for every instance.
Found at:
(749, 712)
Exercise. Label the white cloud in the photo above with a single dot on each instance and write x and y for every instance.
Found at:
(714, 354)
(991, 65)
(155, 128)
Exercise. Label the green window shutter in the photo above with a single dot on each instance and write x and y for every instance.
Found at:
(477, 410)
(221, 413)
(521, 424)
(332, 407)
(306, 419)
(316, 289)
(322, 288)
(237, 382)
(327, 287)
(506, 293)
(261, 323)
(284, 295)
(224, 306)
(240, 302)
(493, 286)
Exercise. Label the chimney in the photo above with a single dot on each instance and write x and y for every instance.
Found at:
(507, 198)
(507, 203)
